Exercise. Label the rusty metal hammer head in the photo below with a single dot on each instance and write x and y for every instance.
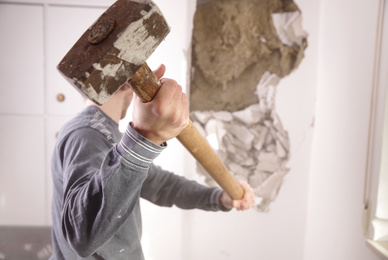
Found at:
(110, 52)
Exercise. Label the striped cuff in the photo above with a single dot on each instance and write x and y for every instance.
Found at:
(137, 149)
(215, 201)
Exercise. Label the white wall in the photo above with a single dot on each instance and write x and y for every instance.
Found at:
(319, 209)
(346, 49)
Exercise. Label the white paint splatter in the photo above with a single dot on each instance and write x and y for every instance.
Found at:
(27, 247)
(45, 252)
(102, 96)
(110, 70)
(134, 43)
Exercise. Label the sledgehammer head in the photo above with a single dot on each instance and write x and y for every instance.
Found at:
(109, 53)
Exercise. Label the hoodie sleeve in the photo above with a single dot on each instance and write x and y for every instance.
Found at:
(100, 183)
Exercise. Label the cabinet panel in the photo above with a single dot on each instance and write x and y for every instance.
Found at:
(21, 65)
(65, 25)
(22, 171)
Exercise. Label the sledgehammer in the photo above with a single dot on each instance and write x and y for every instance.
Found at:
(113, 51)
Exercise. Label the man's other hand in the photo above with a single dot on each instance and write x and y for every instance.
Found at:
(247, 202)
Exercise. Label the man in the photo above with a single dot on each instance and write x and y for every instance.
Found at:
(99, 175)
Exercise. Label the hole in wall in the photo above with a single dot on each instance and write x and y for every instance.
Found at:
(241, 49)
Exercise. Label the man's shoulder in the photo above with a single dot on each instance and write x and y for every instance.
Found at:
(90, 119)
(81, 120)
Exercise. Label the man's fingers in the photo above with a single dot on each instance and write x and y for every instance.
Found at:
(168, 90)
(159, 72)
(248, 200)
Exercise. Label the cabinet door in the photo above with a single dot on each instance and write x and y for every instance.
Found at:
(21, 64)
(65, 25)
(22, 171)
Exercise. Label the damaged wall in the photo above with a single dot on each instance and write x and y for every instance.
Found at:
(240, 52)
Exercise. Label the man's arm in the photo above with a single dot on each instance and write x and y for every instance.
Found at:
(167, 189)
(172, 101)
(100, 190)
(164, 188)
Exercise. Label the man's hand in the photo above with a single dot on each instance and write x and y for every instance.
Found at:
(247, 202)
(166, 115)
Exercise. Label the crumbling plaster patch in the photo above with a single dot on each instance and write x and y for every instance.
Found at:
(240, 51)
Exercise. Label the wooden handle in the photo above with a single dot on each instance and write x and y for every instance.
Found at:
(145, 84)
(200, 149)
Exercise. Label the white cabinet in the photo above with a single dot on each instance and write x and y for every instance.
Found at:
(22, 171)
(21, 63)
(34, 38)
(22, 154)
